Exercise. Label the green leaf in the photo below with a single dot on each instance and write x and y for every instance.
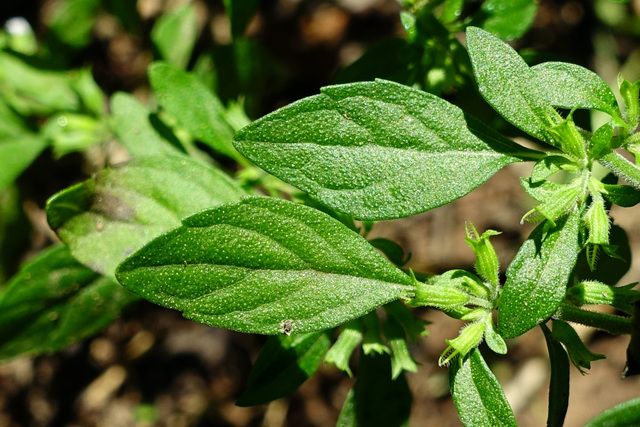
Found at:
(140, 132)
(18, 153)
(34, 90)
(571, 86)
(624, 414)
(630, 92)
(174, 35)
(193, 105)
(508, 19)
(559, 382)
(389, 59)
(621, 195)
(505, 82)
(391, 250)
(240, 13)
(54, 302)
(538, 275)
(71, 21)
(285, 362)
(263, 264)
(378, 400)
(108, 217)
(477, 394)
(377, 150)
(347, 417)
(547, 167)
(493, 339)
(580, 355)
(622, 167)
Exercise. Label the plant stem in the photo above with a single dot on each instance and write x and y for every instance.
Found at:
(610, 323)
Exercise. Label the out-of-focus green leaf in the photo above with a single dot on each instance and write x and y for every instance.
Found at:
(53, 302)
(240, 13)
(174, 35)
(508, 19)
(140, 132)
(108, 217)
(624, 414)
(559, 384)
(33, 90)
(17, 154)
(378, 400)
(194, 106)
(285, 362)
(71, 21)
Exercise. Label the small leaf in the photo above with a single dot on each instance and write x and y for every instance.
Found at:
(193, 105)
(621, 195)
(601, 140)
(580, 355)
(284, 363)
(571, 86)
(377, 150)
(505, 82)
(231, 267)
(340, 353)
(347, 417)
(378, 400)
(508, 19)
(391, 249)
(17, 153)
(108, 217)
(54, 302)
(559, 382)
(624, 414)
(174, 35)
(538, 275)
(477, 394)
(71, 21)
(493, 339)
(548, 166)
(140, 131)
(622, 168)
(630, 93)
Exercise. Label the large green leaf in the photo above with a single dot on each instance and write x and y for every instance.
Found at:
(174, 35)
(193, 105)
(266, 266)
(538, 275)
(285, 362)
(477, 394)
(377, 150)
(17, 153)
(108, 217)
(505, 82)
(53, 302)
(571, 86)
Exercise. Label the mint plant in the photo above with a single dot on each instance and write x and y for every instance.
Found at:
(172, 227)
(380, 150)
